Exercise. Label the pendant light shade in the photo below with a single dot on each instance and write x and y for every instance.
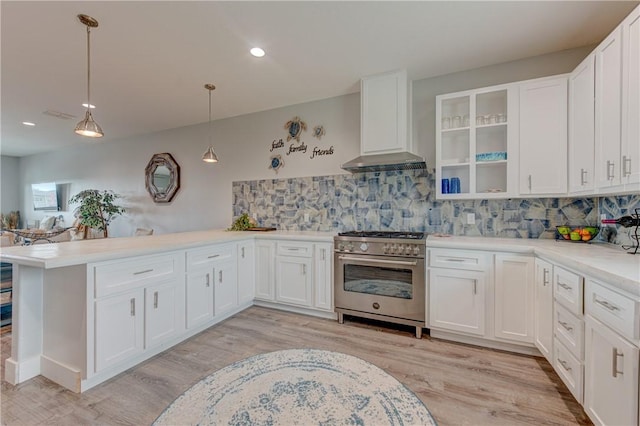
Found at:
(210, 155)
(88, 127)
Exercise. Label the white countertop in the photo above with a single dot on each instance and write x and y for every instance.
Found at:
(70, 253)
(600, 261)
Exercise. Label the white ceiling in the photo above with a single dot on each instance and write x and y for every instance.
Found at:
(150, 59)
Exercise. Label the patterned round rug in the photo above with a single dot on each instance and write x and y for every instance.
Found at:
(298, 386)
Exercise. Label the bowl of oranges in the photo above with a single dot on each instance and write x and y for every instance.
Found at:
(577, 233)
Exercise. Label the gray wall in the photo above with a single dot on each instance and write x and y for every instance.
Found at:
(9, 184)
(243, 143)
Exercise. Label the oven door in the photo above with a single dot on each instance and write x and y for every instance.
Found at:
(390, 286)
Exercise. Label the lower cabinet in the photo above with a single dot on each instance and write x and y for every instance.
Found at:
(265, 270)
(323, 276)
(163, 312)
(225, 275)
(457, 300)
(246, 271)
(119, 328)
(514, 294)
(199, 296)
(293, 280)
(611, 376)
(543, 308)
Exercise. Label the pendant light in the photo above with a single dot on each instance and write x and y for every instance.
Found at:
(88, 127)
(209, 155)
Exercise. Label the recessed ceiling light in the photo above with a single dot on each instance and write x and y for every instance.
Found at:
(88, 106)
(28, 123)
(257, 52)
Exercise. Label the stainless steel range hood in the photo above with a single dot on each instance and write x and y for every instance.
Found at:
(385, 162)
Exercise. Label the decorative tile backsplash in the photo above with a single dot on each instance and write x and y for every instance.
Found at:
(405, 200)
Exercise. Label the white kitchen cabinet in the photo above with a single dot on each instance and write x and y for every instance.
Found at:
(163, 312)
(543, 136)
(119, 328)
(265, 272)
(457, 300)
(543, 308)
(611, 376)
(477, 142)
(246, 271)
(582, 127)
(200, 292)
(323, 276)
(514, 295)
(608, 110)
(294, 280)
(384, 113)
(225, 276)
(630, 150)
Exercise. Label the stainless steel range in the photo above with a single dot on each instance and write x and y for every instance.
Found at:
(381, 275)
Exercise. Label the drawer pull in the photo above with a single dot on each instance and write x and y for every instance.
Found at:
(208, 280)
(243, 252)
(614, 362)
(563, 285)
(133, 307)
(155, 300)
(545, 276)
(213, 256)
(566, 325)
(220, 275)
(293, 249)
(564, 364)
(454, 260)
(143, 272)
(607, 305)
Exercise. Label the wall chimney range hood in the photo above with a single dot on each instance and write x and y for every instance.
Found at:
(385, 125)
(385, 162)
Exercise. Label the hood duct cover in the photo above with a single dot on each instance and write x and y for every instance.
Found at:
(385, 162)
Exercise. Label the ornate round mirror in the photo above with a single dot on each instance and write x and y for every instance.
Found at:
(162, 177)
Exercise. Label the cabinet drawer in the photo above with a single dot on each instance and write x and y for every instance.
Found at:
(202, 256)
(294, 248)
(114, 277)
(614, 309)
(569, 330)
(569, 369)
(568, 289)
(459, 259)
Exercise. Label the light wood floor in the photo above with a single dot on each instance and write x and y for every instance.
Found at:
(459, 384)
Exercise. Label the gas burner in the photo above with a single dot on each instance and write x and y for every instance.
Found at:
(384, 234)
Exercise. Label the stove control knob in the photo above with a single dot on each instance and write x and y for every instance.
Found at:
(350, 248)
(392, 249)
(407, 250)
(385, 248)
(364, 247)
(416, 251)
(340, 246)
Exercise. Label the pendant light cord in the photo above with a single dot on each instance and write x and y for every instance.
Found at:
(210, 138)
(88, 68)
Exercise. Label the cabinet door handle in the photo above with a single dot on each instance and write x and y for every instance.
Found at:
(529, 182)
(565, 325)
(208, 280)
(626, 171)
(583, 174)
(610, 169)
(614, 362)
(304, 269)
(133, 306)
(475, 286)
(545, 276)
(564, 364)
(323, 254)
(243, 252)
(563, 285)
(213, 256)
(220, 275)
(607, 305)
(155, 300)
(143, 272)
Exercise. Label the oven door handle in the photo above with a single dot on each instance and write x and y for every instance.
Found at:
(387, 262)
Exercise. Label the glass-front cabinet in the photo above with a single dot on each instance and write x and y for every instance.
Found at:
(476, 143)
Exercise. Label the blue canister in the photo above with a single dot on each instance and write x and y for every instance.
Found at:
(445, 186)
(455, 185)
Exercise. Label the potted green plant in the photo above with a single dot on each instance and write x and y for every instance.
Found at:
(97, 208)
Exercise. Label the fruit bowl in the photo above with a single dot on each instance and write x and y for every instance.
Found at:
(577, 233)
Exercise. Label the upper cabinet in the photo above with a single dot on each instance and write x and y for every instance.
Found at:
(543, 136)
(384, 109)
(581, 127)
(476, 142)
(617, 108)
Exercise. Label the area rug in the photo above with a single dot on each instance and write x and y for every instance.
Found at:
(298, 386)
